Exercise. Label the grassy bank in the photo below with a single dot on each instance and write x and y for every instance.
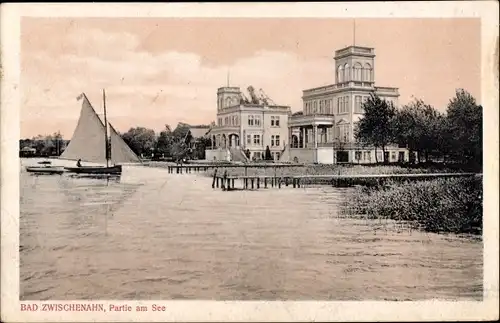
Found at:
(441, 205)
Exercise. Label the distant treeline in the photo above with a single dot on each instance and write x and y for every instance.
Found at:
(454, 136)
(175, 144)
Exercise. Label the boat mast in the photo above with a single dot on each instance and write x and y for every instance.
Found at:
(106, 128)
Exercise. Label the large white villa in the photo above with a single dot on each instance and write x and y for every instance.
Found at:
(324, 131)
(247, 125)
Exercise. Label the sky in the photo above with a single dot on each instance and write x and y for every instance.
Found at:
(159, 71)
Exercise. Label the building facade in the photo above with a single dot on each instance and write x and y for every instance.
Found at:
(324, 131)
(245, 127)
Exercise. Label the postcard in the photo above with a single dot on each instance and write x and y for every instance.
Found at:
(249, 162)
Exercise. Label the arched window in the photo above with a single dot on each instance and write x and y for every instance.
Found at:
(347, 76)
(357, 72)
(367, 77)
(340, 74)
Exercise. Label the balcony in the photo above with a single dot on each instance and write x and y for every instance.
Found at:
(309, 120)
(387, 90)
(337, 87)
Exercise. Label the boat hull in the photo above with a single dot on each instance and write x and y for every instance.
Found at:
(45, 170)
(95, 170)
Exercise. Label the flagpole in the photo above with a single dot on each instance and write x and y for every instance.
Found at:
(354, 33)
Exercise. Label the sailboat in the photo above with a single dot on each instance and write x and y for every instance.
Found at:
(90, 143)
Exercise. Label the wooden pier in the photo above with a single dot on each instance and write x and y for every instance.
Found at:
(227, 182)
(191, 168)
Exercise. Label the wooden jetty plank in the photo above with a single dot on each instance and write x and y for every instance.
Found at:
(335, 176)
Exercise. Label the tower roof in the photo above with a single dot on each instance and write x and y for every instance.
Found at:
(355, 51)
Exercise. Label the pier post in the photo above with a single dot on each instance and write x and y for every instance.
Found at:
(279, 182)
(293, 182)
(232, 182)
(224, 180)
(258, 182)
(274, 178)
(286, 181)
(298, 182)
(215, 176)
(253, 179)
(265, 182)
(177, 167)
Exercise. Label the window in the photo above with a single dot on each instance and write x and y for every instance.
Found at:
(344, 132)
(257, 121)
(357, 72)
(250, 120)
(367, 156)
(357, 155)
(219, 121)
(357, 104)
(275, 141)
(393, 155)
(367, 75)
(340, 74)
(347, 76)
(256, 139)
(275, 121)
(249, 139)
(236, 121)
(344, 104)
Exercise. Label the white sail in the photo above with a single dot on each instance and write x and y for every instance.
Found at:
(88, 141)
(120, 151)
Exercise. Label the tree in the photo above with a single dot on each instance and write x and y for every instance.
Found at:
(141, 140)
(268, 155)
(201, 144)
(165, 141)
(376, 126)
(418, 126)
(464, 121)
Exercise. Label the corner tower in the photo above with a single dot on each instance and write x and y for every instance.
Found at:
(355, 63)
(228, 97)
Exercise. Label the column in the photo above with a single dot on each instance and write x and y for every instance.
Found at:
(290, 131)
(303, 137)
(315, 136)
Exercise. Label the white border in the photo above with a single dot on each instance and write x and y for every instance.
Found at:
(251, 311)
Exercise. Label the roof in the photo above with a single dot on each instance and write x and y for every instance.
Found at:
(199, 131)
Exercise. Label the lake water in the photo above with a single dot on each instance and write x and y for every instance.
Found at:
(154, 235)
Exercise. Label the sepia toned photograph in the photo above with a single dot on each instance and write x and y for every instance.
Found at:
(250, 159)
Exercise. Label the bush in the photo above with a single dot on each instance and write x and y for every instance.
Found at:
(441, 205)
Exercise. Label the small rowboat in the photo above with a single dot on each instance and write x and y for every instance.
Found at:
(45, 170)
(112, 170)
